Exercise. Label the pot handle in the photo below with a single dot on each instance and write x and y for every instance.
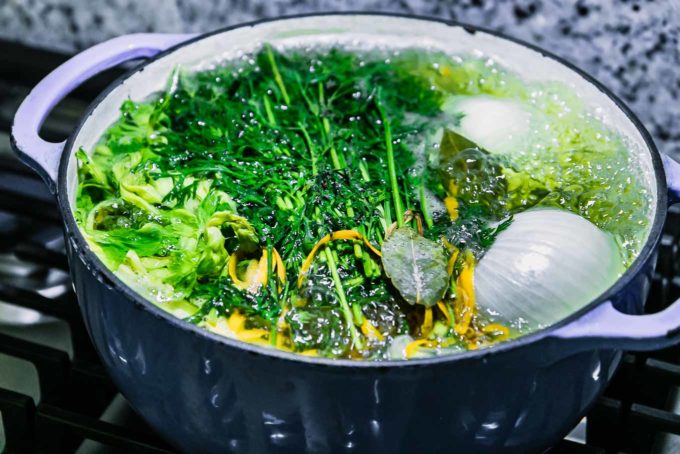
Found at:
(42, 156)
(672, 168)
(605, 327)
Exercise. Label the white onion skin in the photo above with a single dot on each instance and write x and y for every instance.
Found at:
(547, 264)
(497, 125)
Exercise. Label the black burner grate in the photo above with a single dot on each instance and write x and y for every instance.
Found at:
(635, 415)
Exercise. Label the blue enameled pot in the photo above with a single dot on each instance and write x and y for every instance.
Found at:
(207, 393)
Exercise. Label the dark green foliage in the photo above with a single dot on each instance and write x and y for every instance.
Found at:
(477, 175)
(277, 150)
(280, 150)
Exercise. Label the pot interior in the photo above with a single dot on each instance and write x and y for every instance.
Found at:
(361, 31)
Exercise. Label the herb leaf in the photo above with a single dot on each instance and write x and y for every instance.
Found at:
(416, 266)
(476, 175)
(487, 235)
(244, 231)
(453, 143)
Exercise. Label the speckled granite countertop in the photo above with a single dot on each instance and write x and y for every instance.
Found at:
(631, 46)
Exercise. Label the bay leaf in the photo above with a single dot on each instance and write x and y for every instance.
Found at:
(477, 175)
(453, 143)
(416, 266)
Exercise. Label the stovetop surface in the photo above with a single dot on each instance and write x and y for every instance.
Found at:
(55, 395)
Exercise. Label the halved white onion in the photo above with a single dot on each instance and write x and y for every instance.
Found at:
(497, 125)
(546, 265)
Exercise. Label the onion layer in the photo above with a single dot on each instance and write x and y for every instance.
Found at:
(546, 265)
(497, 125)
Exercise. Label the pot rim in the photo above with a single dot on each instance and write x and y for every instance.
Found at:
(107, 277)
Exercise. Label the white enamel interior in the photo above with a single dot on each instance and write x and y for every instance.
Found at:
(360, 31)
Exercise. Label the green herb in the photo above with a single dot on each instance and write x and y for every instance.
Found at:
(209, 197)
(477, 175)
(488, 235)
(416, 266)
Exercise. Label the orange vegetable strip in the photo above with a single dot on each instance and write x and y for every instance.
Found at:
(261, 276)
(427, 322)
(452, 262)
(338, 235)
(371, 331)
(280, 267)
(500, 331)
(467, 297)
(445, 310)
(412, 348)
(238, 283)
(451, 204)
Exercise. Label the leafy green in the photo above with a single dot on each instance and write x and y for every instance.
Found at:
(487, 235)
(453, 143)
(246, 236)
(477, 175)
(416, 266)
(236, 160)
(265, 156)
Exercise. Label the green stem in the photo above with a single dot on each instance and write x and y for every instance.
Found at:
(379, 237)
(315, 109)
(337, 164)
(358, 250)
(280, 203)
(277, 75)
(391, 168)
(273, 333)
(365, 256)
(346, 311)
(364, 171)
(358, 315)
(358, 253)
(406, 192)
(388, 215)
(353, 282)
(335, 160)
(452, 315)
(271, 278)
(271, 282)
(322, 100)
(423, 207)
(368, 264)
(334, 154)
(310, 146)
(268, 110)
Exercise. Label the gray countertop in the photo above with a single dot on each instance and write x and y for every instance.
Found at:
(631, 46)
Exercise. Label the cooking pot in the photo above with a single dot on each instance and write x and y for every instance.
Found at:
(207, 393)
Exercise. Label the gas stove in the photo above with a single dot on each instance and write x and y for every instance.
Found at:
(55, 395)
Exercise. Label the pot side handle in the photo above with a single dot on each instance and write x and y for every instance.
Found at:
(672, 168)
(605, 327)
(42, 156)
